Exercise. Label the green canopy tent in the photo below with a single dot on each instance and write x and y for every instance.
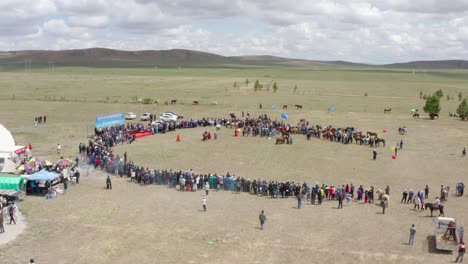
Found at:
(11, 182)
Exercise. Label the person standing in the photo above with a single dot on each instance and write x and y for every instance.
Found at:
(463, 152)
(396, 151)
(65, 185)
(2, 229)
(461, 252)
(109, 182)
(384, 205)
(262, 219)
(412, 232)
(59, 148)
(299, 201)
(426, 192)
(11, 212)
(374, 154)
(207, 188)
(204, 203)
(339, 195)
(401, 144)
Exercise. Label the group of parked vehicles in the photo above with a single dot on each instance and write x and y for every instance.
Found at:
(166, 116)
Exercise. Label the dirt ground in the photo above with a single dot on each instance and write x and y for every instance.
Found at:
(154, 224)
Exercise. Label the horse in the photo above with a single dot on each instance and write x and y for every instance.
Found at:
(387, 111)
(285, 107)
(280, 140)
(415, 115)
(432, 115)
(378, 141)
(174, 101)
(233, 116)
(433, 208)
(298, 106)
(195, 102)
(371, 134)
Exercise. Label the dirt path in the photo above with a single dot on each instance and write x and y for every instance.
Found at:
(12, 231)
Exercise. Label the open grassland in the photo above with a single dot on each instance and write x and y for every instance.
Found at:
(154, 224)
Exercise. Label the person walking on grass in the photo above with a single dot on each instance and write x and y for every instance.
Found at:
(262, 219)
(204, 203)
(463, 152)
(412, 232)
(11, 212)
(374, 154)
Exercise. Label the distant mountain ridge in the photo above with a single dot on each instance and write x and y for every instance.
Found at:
(102, 57)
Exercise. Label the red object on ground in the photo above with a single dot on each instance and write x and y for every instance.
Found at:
(143, 134)
(393, 157)
(30, 146)
(178, 138)
(236, 132)
(385, 130)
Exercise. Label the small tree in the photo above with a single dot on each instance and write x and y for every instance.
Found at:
(460, 96)
(462, 110)
(275, 87)
(424, 97)
(256, 85)
(448, 97)
(420, 95)
(235, 84)
(439, 93)
(432, 105)
(295, 88)
(365, 94)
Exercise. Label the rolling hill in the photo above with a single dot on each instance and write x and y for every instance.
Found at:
(101, 57)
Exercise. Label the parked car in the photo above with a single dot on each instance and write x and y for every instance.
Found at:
(168, 117)
(130, 116)
(145, 117)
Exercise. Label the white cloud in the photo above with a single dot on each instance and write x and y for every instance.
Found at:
(375, 31)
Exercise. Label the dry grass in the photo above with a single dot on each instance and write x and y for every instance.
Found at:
(154, 224)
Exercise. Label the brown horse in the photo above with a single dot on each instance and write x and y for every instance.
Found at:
(285, 106)
(432, 115)
(387, 111)
(371, 134)
(174, 101)
(195, 102)
(233, 116)
(415, 115)
(298, 106)
(280, 140)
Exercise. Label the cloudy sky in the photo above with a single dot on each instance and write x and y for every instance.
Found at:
(372, 31)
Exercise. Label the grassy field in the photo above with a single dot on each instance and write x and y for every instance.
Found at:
(157, 225)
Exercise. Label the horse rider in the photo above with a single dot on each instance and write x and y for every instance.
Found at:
(437, 203)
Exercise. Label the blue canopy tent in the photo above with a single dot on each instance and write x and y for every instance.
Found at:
(42, 175)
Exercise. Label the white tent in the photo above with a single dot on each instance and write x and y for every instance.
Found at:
(7, 166)
(7, 144)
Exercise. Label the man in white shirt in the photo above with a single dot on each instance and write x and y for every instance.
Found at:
(204, 203)
(59, 148)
